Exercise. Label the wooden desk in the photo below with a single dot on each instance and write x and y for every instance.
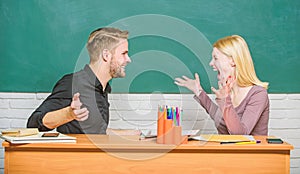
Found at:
(113, 154)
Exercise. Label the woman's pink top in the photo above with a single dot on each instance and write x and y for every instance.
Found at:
(251, 117)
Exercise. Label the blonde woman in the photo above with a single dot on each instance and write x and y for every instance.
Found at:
(242, 99)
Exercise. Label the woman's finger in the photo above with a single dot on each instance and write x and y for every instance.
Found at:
(186, 78)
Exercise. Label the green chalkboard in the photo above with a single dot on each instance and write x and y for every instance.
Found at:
(41, 40)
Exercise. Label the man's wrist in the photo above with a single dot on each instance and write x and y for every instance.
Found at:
(70, 113)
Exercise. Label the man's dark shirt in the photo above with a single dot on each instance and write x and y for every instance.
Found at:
(92, 97)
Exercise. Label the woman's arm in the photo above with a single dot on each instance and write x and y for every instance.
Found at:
(244, 125)
(213, 110)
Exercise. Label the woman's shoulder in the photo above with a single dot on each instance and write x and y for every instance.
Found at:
(257, 88)
(258, 91)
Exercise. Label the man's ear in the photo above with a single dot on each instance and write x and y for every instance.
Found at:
(106, 55)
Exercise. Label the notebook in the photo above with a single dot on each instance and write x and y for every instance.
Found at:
(38, 138)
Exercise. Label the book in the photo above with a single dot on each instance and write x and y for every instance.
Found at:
(20, 132)
(39, 138)
(223, 138)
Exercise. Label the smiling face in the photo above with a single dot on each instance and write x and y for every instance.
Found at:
(119, 60)
(223, 64)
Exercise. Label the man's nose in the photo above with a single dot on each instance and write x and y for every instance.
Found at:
(128, 59)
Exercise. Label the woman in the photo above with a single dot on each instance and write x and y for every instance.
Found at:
(242, 99)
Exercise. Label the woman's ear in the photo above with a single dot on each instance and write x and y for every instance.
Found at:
(232, 63)
(106, 55)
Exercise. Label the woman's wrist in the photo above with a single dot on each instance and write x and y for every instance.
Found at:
(198, 92)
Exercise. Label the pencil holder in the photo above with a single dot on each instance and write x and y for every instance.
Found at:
(160, 128)
(167, 132)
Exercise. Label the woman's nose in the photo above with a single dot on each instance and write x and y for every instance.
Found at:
(211, 62)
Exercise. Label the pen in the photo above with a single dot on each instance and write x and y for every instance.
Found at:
(248, 142)
(232, 142)
(240, 142)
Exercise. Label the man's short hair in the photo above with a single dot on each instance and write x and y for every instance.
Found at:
(104, 38)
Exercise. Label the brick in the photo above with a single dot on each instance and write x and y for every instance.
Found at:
(278, 104)
(187, 97)
(120, 124)
(295, 153)
(18, 123)
(1, 163)
(145, 115)
(1, 150)
(203, 124)
(277, 114)
(28, 104)
(121, 105)
(284, 133)
(285, 104)
(295, 162)
(172, 96)
(295, 170)
(292, 104)
(114, 96)
(42, 96)
(277, 96)
(157, 97)
(190, 105)
(284, 123)
(294, 142)
(287, 114)
(4, 103)
(17, 96)
(293, 114)
(294, 96)
(4, 123)
(135, 97)
(16, 113)
(147, 105)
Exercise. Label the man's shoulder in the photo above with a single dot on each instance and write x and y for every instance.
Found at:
(66, 79)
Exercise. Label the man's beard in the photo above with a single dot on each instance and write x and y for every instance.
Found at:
(115, 70)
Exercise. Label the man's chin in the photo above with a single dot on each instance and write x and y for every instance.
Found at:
(119, 75)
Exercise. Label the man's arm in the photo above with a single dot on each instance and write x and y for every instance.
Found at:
(59, 117)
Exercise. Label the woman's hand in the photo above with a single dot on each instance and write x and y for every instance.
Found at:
(191, 84)
(224, 89)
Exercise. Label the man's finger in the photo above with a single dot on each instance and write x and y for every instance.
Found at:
(76, 96)
(79, 111)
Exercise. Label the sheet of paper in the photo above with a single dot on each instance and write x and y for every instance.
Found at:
(223, 138)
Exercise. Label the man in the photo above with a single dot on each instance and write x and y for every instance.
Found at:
(79, 101)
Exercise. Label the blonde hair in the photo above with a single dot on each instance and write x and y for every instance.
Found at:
(104, 38)
(236, 47)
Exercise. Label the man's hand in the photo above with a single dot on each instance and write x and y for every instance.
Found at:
(79, 114)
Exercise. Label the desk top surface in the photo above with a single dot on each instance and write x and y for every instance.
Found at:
(114, 142)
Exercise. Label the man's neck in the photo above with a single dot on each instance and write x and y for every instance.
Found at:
(101, 73)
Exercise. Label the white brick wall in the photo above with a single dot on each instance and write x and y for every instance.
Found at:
(138, 111)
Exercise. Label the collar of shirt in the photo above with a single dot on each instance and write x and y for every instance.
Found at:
(94, 80)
